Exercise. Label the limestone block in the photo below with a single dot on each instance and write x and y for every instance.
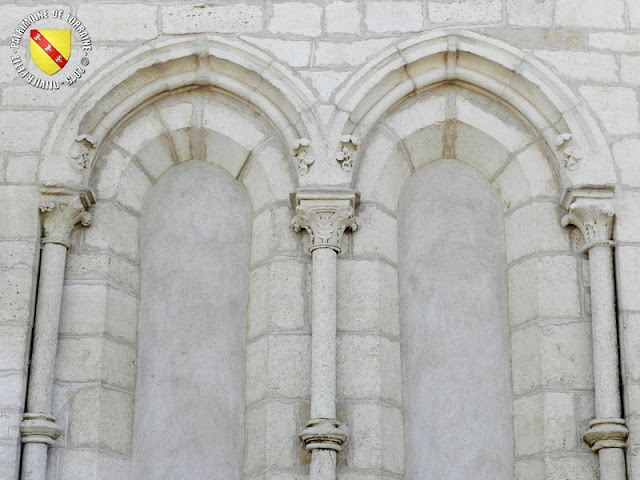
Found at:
(130, 22)
(616, 107)
(108, 171)
(156, 157)
(88, 359)
(19, 255)
(634, 14)
(296, 18)
(27, 96)
(394, 16)
(348, 53)
(387, 169)
(571, 467)
(178, 121)
(133, 187)
(10, 419)
(543, 287)
(628, 271)
(528, 175)
(369, 367)
(535, 228)
(526, 360)
(11, 391)
(627, 226)
(376, 235)
(104, 266)
(13, 339)
(21, 169)
(23, 131)
(278, 365)
(94, 464)
(135, 134)
(271, 234)
(630, 359)
(326, 82)
(567, 356)
(595, 67)
(12, 14)
(115, 229)
(489, 119)
(529, 469)
(417, 115)
(102, 418)
(368, 297)
(233, 18)
(377, 437)
(544, 421)
(19, 212)
(629, 68)
(277, 297)
(295, 53)
(538, 38)
(620, 42)
(228, 121)
(530, 13)
(424, 146)
(271, 436)
(590, 13)
(16, 291)
(585, 412)
(475, 11)
(10, 460)
(342, 17)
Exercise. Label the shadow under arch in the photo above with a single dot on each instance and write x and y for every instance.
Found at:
(475, 61)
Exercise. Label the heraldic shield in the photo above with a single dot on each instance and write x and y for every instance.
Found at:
(50, 49)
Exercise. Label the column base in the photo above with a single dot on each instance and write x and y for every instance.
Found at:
(325, 434)
(607, 433)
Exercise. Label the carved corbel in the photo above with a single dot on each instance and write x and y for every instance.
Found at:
(572, 153)
(325, 434)
(607, 433)
(303, 157)
(79, 152)
(347, 152)
(595, 221)
(62, 207)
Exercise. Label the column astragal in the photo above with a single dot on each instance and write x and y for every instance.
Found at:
(325, 214)
(591, 211)
(62, 207)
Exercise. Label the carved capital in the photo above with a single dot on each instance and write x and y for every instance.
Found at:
(325, 215)
(62, 207)
(325, 434)
(607, 433)
(595, 221)
(39, 428)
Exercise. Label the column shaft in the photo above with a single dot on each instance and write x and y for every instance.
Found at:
(323, 343)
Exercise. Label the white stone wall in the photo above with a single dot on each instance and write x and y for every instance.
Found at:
(238, 84)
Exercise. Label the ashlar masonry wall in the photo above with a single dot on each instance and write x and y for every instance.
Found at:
(290, 95)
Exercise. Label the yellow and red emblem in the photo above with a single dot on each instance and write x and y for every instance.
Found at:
(50, 49)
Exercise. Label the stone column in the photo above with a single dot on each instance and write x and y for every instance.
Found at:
(325, 214)
(594, 216)
(62, 208)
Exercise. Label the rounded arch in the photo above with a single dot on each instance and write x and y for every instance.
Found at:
(168, 65)
(481, 63)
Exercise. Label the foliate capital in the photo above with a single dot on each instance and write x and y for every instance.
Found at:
(325, 434)
(595, 221)
(39, 428)
(62, 207)
(607, 433)
(325, 214)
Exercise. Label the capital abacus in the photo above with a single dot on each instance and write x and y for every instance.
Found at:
(24, 25)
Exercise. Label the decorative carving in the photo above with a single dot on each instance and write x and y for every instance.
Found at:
(607, 433)
(325, 223)
(39, 428)
(62, 208)
(326, 434)
(80, 150)
(347, 153)
(595, 221)
(572, 154)
(304, 158)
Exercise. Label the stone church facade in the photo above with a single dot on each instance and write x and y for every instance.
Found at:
(323, 240)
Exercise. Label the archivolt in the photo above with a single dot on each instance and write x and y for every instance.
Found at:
(478, 62)
(167, 65)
